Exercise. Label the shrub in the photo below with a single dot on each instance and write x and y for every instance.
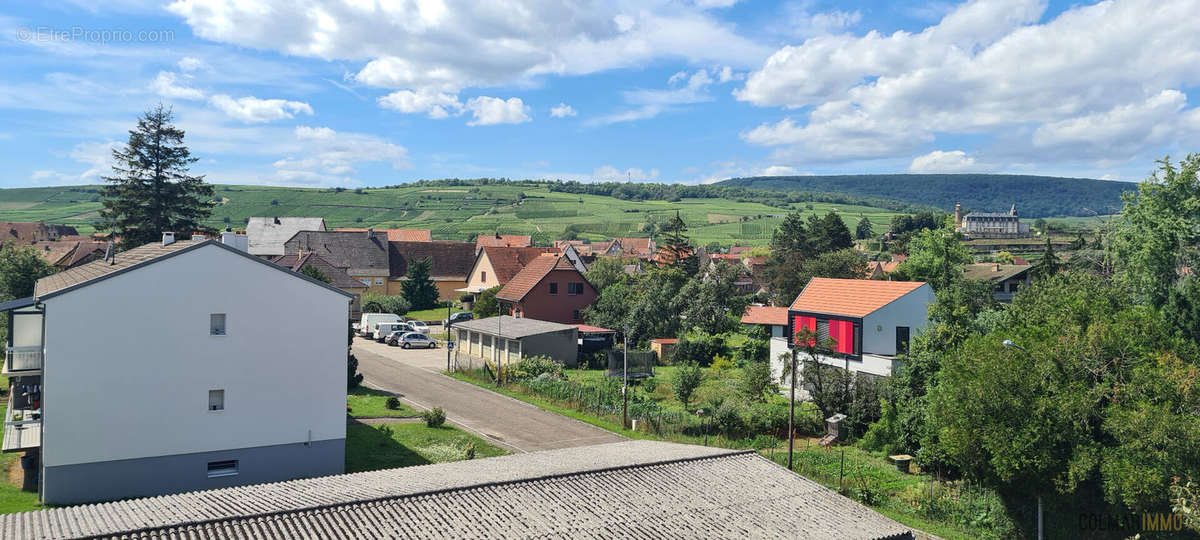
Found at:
(534, 366)
(434, 418)
(469, 450)
(753, 350)
(755, 380)
(768, 418)
(353, 378)
(699, 349)
(728, 419)
(392, 403)
(721, 364)
(685, 382)
(387, 304)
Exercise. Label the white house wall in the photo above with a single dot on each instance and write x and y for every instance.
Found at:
(879, 327)
(129, 361)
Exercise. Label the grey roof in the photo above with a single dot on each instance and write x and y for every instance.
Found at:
(994, 272)
(80, 276)
(17, 303)
(991, 215)
(266, 237)
(513, 327)
(641, 489)
(359, 253)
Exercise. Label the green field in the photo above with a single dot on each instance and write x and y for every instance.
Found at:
(455, 212)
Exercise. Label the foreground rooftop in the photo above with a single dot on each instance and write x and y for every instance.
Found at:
(643, 489)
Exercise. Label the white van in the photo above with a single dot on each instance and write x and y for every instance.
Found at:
(369, 320)
(385, 329)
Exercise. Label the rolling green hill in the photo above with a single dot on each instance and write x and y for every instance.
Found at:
(1035, 196)
(458, 212)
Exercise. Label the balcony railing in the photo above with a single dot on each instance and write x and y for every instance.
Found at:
(23, 359)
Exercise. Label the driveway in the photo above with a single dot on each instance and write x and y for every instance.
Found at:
(416, 376)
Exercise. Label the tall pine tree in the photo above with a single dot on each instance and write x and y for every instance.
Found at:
(1049, 265)
(150, 190)
(418, 289)
(677, 248)
(864, 231)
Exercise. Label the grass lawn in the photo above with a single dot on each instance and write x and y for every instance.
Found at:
(387, 446)
(435, 314)
(366, 402)
(12, 498)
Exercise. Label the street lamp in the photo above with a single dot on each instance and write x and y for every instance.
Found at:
(1009, 344)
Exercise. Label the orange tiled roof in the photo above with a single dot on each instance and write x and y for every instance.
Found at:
(640, 247)
(765, 315)
(850, 297)
(508, 261)
(528, 278)
(503, 240)
(397, 235)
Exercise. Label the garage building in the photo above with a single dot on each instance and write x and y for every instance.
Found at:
(512, 338)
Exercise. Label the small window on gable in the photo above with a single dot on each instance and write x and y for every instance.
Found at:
(365, 281)
(216, 400)
(553, 287)
(575, 288)
(216, 324)
(483, 275)
(379, 281)
(222, 468)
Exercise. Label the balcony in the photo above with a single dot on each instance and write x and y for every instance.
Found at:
(22, 429)
(22, 360)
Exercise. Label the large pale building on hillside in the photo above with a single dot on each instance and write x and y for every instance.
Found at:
(990, 224)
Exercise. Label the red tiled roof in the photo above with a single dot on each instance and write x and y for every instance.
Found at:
(397, 235)
(641, 247)
(1020, 261)
(503, 240)
(738, 250)
(851, 297)
(508, 261)
(664, 341)
(765, 315)
(533, 273)
(724, 256)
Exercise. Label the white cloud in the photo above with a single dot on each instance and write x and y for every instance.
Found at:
(433, 103)
(452, 45)
(168, 84)
(988, 67)
(607, 173)
(562, 110)
(779, 170)
(191, 63)
(96, 155)
(253, 110)
(686, 88)
(492, 110)
(320, 155)
(938, 161)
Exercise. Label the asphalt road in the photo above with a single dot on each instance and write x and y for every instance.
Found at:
(416, 376)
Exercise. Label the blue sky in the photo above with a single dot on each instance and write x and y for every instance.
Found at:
(357, 92)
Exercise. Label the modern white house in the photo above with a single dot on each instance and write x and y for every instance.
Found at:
(776, 321)
(267, 235)
(866, 323)
(172, 367)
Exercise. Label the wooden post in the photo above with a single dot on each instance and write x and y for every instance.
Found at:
(792, 413)
(842, 469)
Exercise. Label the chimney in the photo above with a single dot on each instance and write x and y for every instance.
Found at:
(957, 215)
(168, 238)
(234, 240)
(997, 267)
(198, 237)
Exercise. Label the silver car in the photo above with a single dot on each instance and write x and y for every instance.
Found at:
(416, 340)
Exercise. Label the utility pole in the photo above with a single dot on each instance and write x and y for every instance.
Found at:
(625, 384)
(496, 344)
(448, 337)
(792, 412)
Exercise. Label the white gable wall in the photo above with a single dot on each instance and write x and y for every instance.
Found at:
(879, 327)
(129, 361)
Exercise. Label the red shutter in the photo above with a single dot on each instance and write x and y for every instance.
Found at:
(843, 333)
(801, 322)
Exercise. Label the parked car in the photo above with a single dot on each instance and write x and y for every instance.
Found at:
(415, 340)
(393, 338)
(458, 317)
(419, 326)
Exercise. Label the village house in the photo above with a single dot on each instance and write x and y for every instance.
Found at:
(642, 248)
(494, 266)
(175, 366)
(450, 264)
(362, 255)
(28, 233)
(549, 288)
(862, 325)
(1006, 279)
(508, 339)
(267, 235)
